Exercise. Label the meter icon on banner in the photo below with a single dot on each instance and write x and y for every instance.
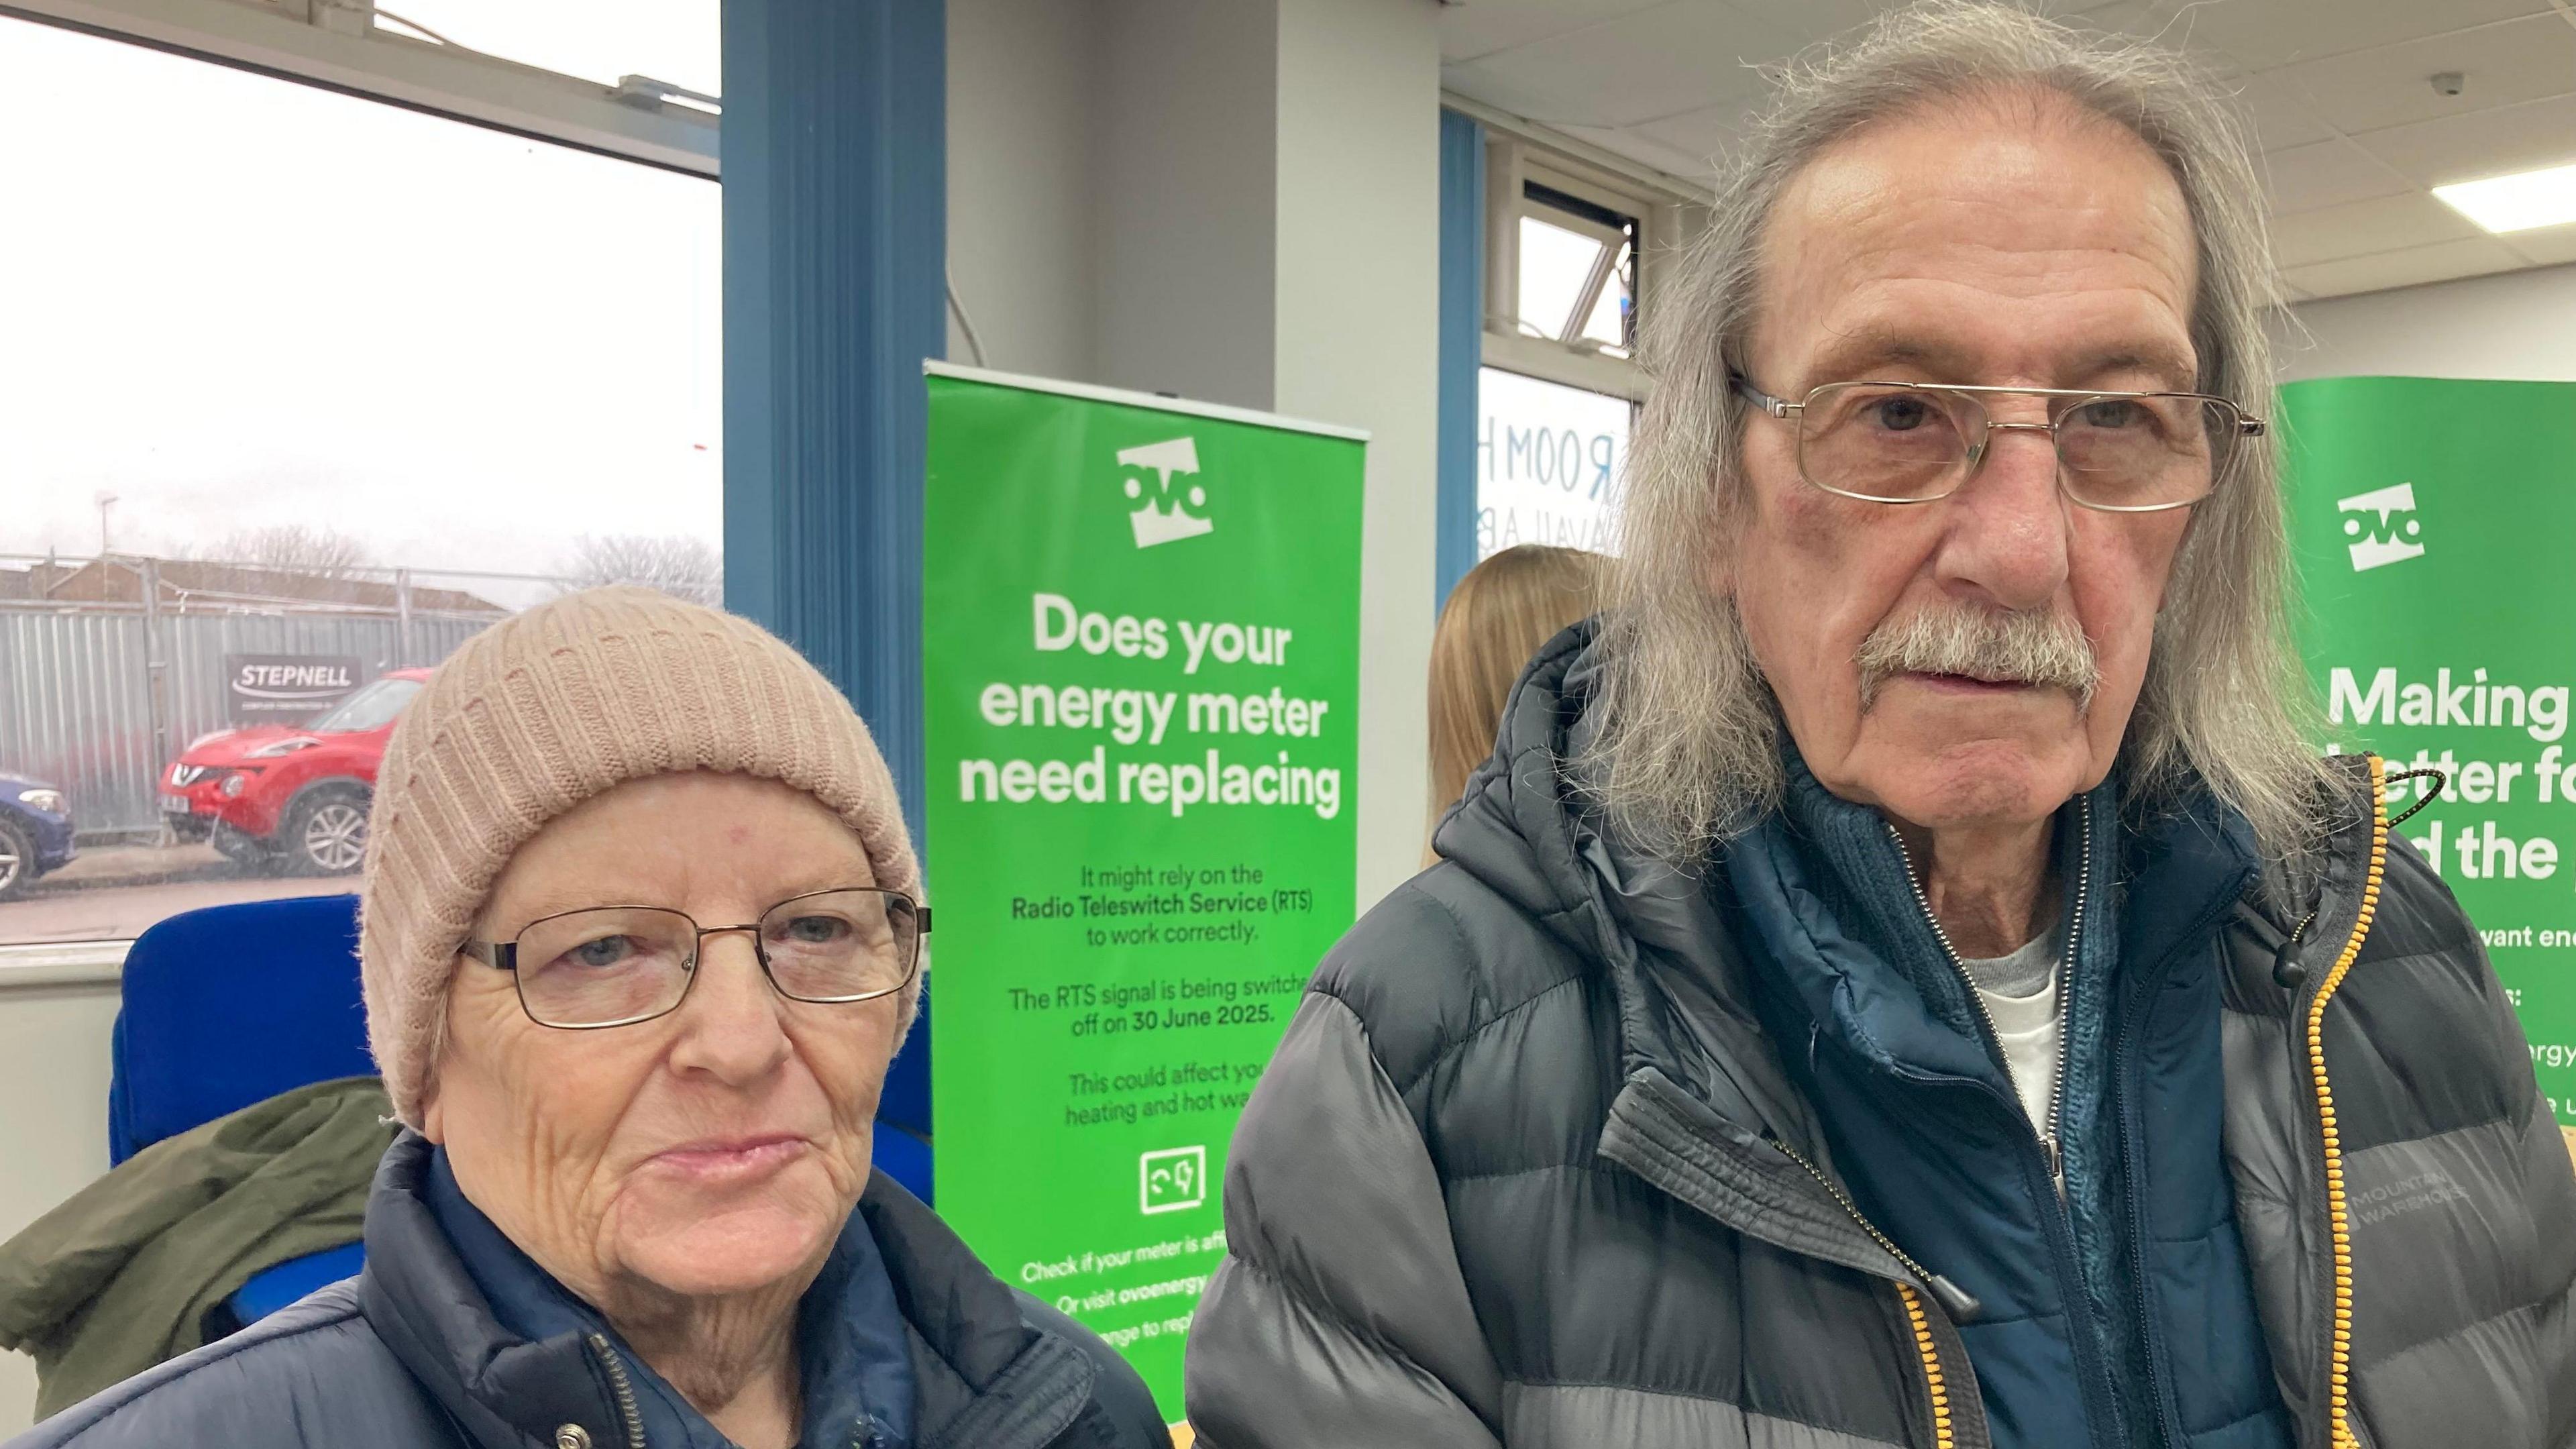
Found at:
(1172, 1179)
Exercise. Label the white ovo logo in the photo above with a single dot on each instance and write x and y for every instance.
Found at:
(2382, 526)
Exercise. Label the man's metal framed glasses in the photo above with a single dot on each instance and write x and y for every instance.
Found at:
(618, 965)
(1911, 442)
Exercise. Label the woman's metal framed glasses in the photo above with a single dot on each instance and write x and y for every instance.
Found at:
(1910, 442)
(618, 965)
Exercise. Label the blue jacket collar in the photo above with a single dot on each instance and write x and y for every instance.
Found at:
(1828, 889)
(854, 1361)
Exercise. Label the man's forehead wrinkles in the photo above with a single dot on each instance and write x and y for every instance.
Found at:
(2067, 312)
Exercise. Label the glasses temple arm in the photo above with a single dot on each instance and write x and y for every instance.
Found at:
(1776, 407)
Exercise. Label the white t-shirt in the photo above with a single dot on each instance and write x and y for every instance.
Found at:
(2020, 992)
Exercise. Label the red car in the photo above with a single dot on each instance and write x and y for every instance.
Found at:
(290, 797)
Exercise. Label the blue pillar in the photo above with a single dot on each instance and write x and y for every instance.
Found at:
(835, 247)
(1462, 332)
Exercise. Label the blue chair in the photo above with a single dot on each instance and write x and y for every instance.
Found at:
(903, 1110)
(228, 1006)
(231, 1005)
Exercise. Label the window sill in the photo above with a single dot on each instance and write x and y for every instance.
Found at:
(55, 966)
(1556, 362)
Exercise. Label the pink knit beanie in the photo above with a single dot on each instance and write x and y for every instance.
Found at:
(548, 708)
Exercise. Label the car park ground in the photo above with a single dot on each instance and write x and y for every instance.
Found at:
(115, 892)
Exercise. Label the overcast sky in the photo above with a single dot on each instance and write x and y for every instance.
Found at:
(236, 302)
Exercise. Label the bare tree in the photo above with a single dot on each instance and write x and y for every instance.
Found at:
(681, 565)
(294, 548)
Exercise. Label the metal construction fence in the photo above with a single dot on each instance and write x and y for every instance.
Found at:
(98, 697)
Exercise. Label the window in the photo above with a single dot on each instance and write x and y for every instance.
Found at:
(1549, 463)
(372, 708)
(1578, 272)
(1567, 248)
(314, 389)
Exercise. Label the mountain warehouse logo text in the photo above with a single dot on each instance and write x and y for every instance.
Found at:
(2382, 526)
(1164, 512)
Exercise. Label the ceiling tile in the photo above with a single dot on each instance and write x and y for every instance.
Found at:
(2164, 22)
(2280, 112)
(1660, 62)
(1550, 107)
(2370, 90)
(2329, 173)
(2436, 263)
(1682, 163)
(2481, 143)
(1706, 133)
(1802, 22)
(1469, 31)
(2261, 34)
(2543, 246)
(2391, 223)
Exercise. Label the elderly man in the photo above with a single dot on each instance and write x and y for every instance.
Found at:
(1903, 978)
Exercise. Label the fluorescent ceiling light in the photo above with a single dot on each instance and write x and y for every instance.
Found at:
(2518, 202)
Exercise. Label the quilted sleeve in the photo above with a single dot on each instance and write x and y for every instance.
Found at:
(1340, 1315)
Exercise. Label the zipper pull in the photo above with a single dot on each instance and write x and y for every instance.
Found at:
(2287, 973)
(1961, 1304)
(2053, 1155)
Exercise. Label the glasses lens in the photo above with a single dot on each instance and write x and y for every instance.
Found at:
(1896, 444)
(844, 945)
(598, 968)
(2145, 452)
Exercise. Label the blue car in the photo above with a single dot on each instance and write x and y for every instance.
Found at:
(35, 832)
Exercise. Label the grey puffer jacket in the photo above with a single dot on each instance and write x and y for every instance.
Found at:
(1510, 1179)
(408, 1356)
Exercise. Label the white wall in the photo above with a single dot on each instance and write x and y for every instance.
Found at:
(1023, 88)
(55, 1020)
(1358, 343)
(1187, 201)
(2514, 325)
(1262, 229)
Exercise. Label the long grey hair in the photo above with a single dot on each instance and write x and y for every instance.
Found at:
(1686, 751)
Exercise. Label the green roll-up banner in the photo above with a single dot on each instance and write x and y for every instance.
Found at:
(1140, 660)
(2430, 520)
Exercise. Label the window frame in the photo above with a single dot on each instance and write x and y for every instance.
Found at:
(1514, 159)
(1612, 241)
(338, 45)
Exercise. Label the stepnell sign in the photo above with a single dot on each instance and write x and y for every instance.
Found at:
(288, 688)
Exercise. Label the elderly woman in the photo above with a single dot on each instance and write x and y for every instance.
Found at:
(642, 931)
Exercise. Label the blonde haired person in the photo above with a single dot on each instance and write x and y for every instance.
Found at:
(1494, 620)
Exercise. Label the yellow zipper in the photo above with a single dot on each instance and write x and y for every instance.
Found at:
(1914, 1314)
(2339, 1228)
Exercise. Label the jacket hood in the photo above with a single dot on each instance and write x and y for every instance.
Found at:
(1526, 829)
(1515, 827)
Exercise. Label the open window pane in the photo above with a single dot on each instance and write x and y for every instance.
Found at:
(600, 40)
(1610, 321)
(302, 390)
(1555, 265)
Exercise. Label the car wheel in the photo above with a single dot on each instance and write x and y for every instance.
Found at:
(247, 851)
(17, 860)
(326, 832)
